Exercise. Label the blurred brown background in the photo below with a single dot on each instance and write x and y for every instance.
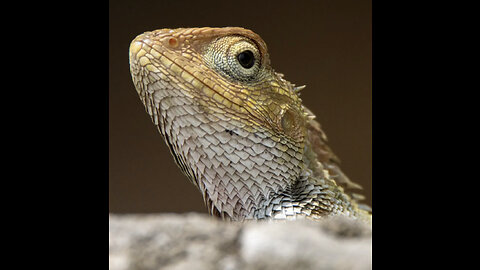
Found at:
(326, 45)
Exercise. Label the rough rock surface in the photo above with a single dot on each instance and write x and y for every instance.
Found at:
(197, 241)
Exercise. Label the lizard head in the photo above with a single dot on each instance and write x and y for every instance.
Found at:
(235, 127)
(225, 70)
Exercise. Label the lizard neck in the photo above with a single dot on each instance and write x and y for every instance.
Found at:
(237, 170)
(240, 169)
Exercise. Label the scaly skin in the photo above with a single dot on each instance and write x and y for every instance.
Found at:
(236, 128)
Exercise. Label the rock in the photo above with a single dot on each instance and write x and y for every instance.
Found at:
(197, 241)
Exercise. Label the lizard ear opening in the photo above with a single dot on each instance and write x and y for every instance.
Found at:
(293, 124)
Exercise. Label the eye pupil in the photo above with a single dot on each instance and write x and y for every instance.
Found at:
(246, 59)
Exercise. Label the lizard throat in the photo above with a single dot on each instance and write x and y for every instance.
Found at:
(236, 168)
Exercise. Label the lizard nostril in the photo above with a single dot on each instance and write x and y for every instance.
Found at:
(173, 42)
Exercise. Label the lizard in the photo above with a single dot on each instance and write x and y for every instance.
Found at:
(237, 129)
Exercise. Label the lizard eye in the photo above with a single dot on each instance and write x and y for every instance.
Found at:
(243, 58)
(246, 59)
(235, 57)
